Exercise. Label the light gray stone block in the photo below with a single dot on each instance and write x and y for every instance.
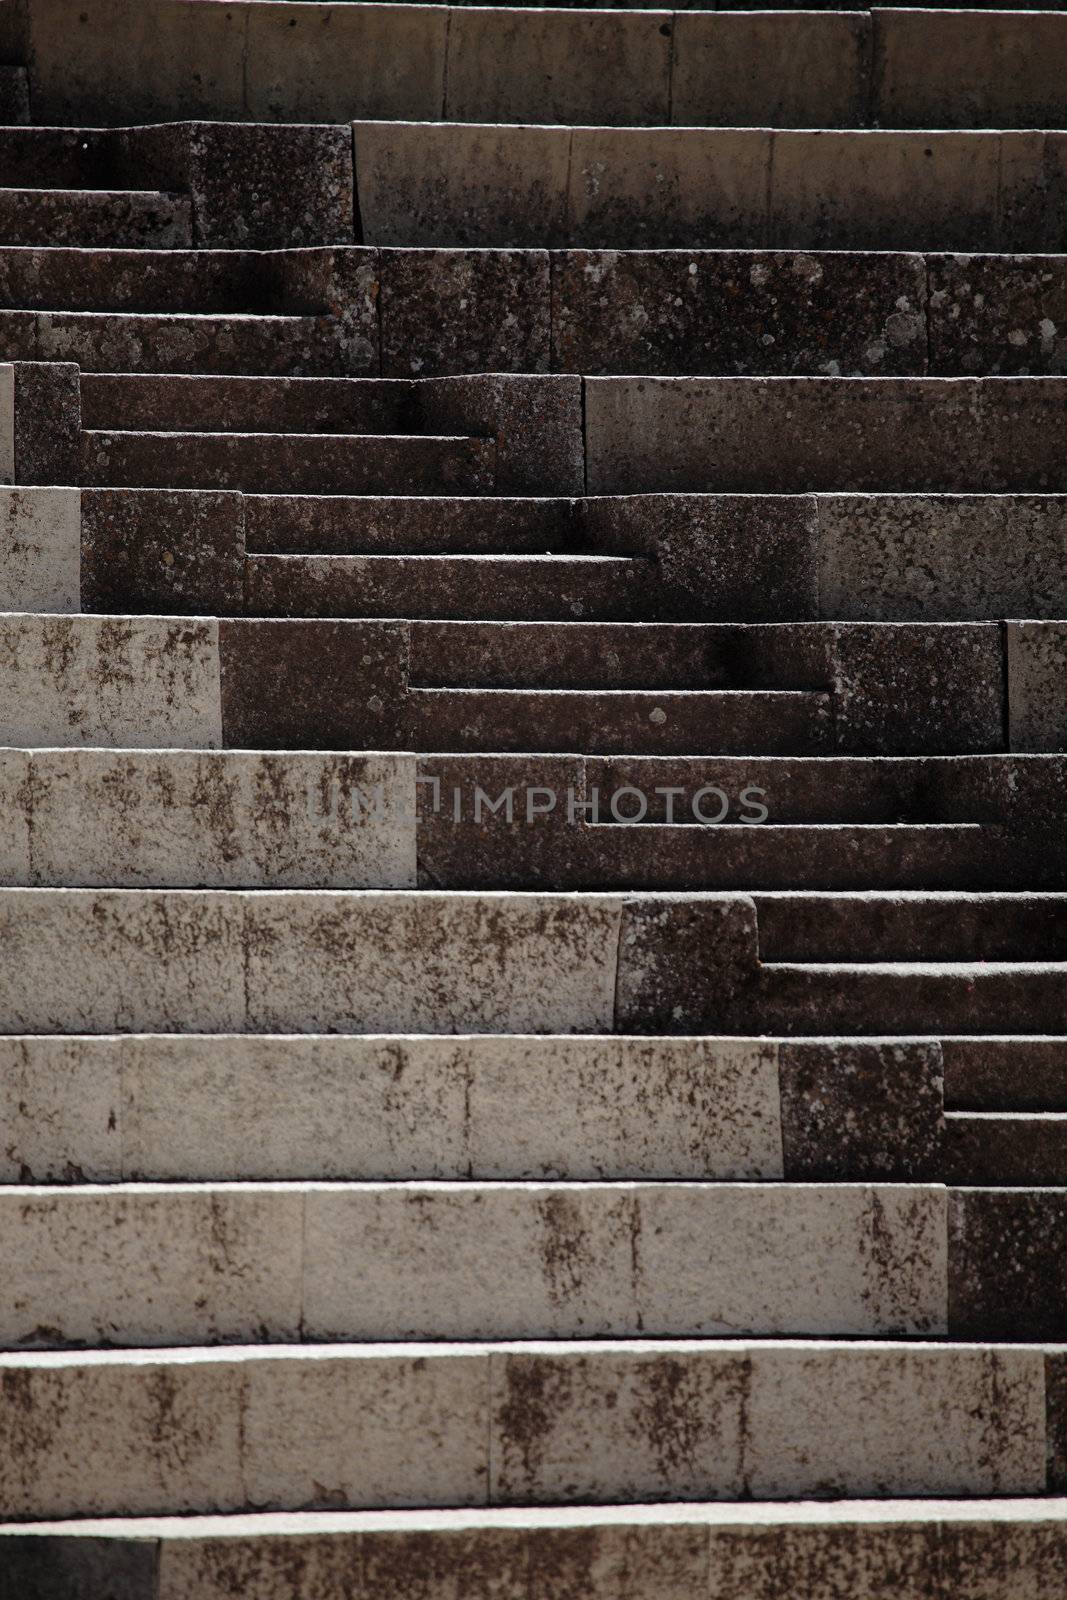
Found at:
(152, 1265)
(1037, 685)
(674, 1260)
(126, 681)
(40, 549)
(7, 423)
(225, 819)
(61, 1110)
(14, 816)
(461, 184)
(98, 961)
(780, 69)
(528, 66)
(431, 962)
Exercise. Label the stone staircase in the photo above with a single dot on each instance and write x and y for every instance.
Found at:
(533, 760)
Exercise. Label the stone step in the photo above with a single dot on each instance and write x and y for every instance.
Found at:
(748, 187)
(550, 588)
(660, 722)
(281, 462)
(894, 997)
(365, 1426)
(1021, 1149)
(14, 95)
(91, 219)
(195, 403)
(181, 343)
(751, 1551)
(1005, 1074)
(111, 1110)
(518, 65)
(377, 525)
(913, 927)
(193, 1264)
(794, 435)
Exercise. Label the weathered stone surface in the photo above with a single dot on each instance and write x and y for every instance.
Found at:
(884, 190)
(420, 525)
(936, 69)
(14, 816)
(158, 551)
(431, 963)
(900, 558)
(47, 423)
(1007, 1255)
(658, 311)
(40, 549)
(151, 1266)
(61, 1104)
(7, 423)
(773, 70)
(666, 187)
(94, 961)
(536, 423)
(328, 64)
(121, 681)
(268, 188)
(91, 220)
(225, 819)
(312, 685)
(452, 311)
(997, 314)
(1004, 1074)
(903, 689)
(683, 961)
(464, 184)
(1037, 699)
(861, 1110)
(14, 95)
(528, 66)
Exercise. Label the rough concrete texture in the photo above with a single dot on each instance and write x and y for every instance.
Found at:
(114, 681)
(1037, 707)
(40, 549)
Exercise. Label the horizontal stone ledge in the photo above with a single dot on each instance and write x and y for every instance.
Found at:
(451, 1425)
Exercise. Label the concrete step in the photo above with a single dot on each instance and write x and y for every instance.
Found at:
(192, 1264)
(797, 435)
(1004, 1074)
(913, 927)
(550, 588)
(280, 462)
(534, 1554)
(364, 1426)
(660, 722)
(747, 187)
(91, 219)
(134, 1109)
(1020, 1149)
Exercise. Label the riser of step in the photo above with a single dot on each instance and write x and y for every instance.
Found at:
(740, 188)
(501, 65)
(14, 95)
(109, 1110)
(192, 1265)
(580, 311)
(281, 463)
(913, 927)
(100, 961)
(901, 1552)
(1015, 1148)
(95, 219)
(379, 1426)
(195, 683)
(1002, 1073)
(930, 997)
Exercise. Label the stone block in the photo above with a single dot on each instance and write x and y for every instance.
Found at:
(120, 681)
(90, 961)
(992, 314)
(1037, 685)
(431, 963)
(1007, 1261)
(939, 69)
(529, 66)
(684, 962)
(60, 1100)
(47, 423)
(306, 685)
(141, 1265)
(908, 689)
(7, 423)
(262, 187)
(225, 819)
(40, 549)
(15, 809)
(858, 1110)
(668, 187)
(775, 70)
(61, 1567)
(334, 64)
(461, 184)
(880, 190)
(460, 311)
(877, 1553)
(700, 312)
(536, 424)
(162, 551)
